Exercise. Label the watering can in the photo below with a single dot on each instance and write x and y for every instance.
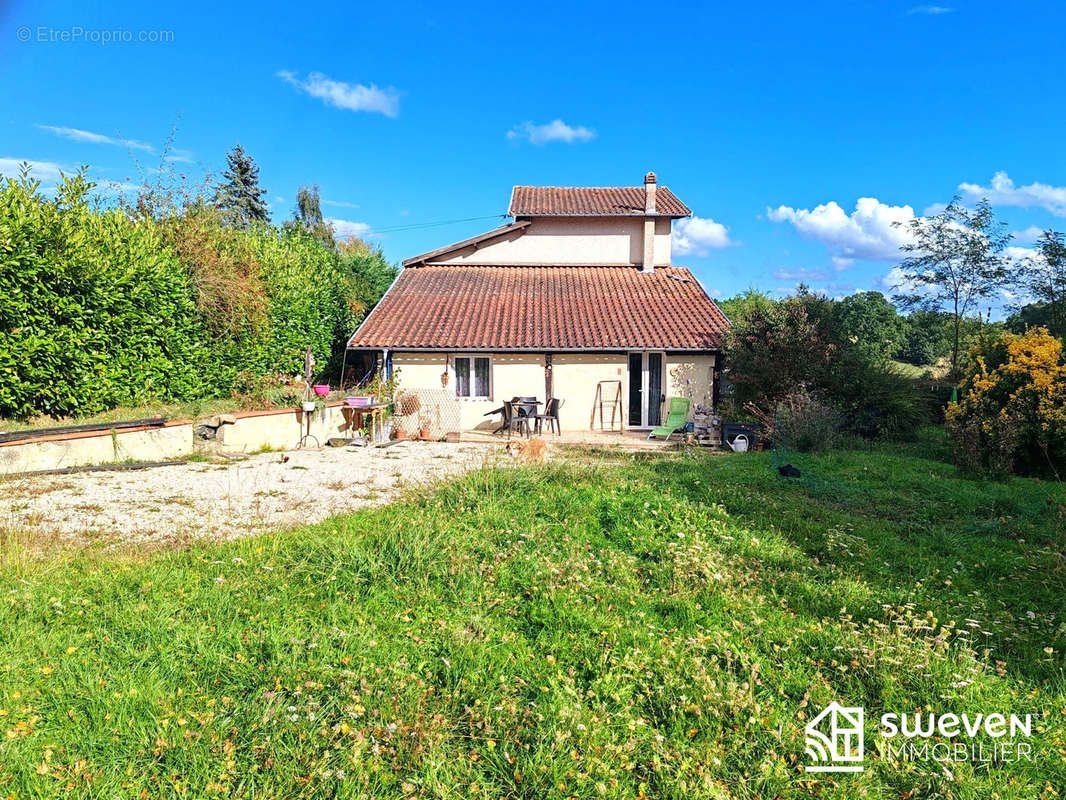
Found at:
(739, 443)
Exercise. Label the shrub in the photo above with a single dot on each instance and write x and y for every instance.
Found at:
(1011, 414)
(775, 350)
(797, 343)
(100, 308)
(95, 310)
(875, 398)
(806, 422)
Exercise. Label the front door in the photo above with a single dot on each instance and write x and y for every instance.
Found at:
(645, 390)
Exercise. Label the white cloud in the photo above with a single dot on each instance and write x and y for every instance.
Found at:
(343, 228)
(1016, 256)
(179, 155)
(802, 274)
(931, 10)
(1029, 235)
(867, 233)
(697, 236)
(350, 96)
(47, 172)
(895, 282)
(1003, 192)
(77, 135)
(554, 131)
(119, 186)
(340, 203)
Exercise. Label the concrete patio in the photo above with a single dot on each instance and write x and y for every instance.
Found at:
(636, 440)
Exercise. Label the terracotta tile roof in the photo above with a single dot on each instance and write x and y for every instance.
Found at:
(543, 308)
(591, 201)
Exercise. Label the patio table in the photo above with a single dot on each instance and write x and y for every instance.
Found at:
(377, 418)
(515, 401)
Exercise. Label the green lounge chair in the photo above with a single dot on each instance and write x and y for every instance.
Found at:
(675, 420)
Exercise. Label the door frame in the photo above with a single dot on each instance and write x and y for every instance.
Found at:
(644, 381)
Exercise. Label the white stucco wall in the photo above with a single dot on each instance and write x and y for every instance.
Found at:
(511, 374)
(574, 377)
(578, 241)
(691, 377)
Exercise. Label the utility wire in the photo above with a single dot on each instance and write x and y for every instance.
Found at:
(420, 225)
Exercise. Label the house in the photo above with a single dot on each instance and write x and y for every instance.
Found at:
(576, 298)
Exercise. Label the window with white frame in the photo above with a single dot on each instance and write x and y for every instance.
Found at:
(472, 377)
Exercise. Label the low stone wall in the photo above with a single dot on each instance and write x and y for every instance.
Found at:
(251, 431)
(282, 428)
(173, 440)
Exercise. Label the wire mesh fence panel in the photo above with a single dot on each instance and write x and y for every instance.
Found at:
(435, 411)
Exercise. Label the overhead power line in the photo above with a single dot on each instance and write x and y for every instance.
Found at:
(419, 225)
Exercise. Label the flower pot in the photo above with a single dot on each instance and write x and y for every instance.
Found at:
(321, 389)
(401, 434)
(424, 434)
(309, 406)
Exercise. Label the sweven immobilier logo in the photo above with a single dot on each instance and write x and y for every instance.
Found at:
(835, 738)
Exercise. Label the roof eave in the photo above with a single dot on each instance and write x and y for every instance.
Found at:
(489, 349)
(473, 241)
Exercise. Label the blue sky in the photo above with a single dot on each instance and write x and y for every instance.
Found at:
(759, 117)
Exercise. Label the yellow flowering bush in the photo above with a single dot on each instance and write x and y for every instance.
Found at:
(1011, 414)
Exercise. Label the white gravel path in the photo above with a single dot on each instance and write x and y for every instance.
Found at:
(173, 505)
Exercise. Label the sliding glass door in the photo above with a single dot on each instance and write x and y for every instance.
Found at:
(645, 390)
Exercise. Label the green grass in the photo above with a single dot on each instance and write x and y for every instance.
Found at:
(617, 626)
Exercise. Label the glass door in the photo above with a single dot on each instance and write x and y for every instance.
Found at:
(654, 395)
(636, 390)
(645, 393)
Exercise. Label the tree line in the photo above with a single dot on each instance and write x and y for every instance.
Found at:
(811, 369)
(172, 295)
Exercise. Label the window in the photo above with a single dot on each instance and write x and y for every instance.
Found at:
(472, 377)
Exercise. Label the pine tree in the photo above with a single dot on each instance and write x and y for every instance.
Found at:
(240, 197)
(307, 216)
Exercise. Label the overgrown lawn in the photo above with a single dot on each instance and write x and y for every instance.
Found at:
(612, 626)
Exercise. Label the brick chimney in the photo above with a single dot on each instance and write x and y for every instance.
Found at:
(648, 264)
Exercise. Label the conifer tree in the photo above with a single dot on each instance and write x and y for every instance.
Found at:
(240, 197)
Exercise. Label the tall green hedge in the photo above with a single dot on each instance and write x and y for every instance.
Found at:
(99, 309)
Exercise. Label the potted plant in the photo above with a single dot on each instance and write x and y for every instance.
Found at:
(423, 427)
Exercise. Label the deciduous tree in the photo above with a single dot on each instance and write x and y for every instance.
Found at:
(956, 262)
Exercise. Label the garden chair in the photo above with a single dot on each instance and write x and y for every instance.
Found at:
(550, 415)
(514, 416)
(675, 419)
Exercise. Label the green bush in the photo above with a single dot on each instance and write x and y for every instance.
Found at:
(799, 343)
(94, 309)
(101, 307)
(876, 399)
(806, 422)
(1011, 413)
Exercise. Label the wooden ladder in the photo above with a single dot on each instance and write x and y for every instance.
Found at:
(603, 401)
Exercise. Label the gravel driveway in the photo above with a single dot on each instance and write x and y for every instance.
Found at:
(176, 504)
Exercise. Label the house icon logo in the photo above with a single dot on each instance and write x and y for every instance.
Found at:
(834, 740)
